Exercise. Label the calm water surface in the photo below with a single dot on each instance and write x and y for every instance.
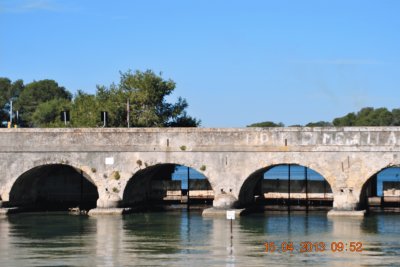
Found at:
(186, 239)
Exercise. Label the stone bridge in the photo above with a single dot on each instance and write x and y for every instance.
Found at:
(231, 159)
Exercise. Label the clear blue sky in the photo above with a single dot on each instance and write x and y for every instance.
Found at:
(236, 62)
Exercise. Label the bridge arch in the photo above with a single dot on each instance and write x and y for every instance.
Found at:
(381, 188)
(374, 169)
(265, 182)
(53, 186)
(24, 166)
(167, 182)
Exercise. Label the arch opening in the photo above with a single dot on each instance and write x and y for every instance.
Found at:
(168, 185)
(53, 187)
(286, 187)
(381, 192)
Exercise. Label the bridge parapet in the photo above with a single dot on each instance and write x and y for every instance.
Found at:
(201, 139)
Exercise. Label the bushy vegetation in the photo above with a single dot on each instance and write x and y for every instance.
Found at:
(144, 93)
(365, 117)
(266, 124)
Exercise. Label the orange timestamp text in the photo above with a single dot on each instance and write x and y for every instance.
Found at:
(308, 246)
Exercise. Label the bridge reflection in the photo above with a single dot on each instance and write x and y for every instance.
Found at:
(176, 238)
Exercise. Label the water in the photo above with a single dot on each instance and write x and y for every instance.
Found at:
(179, 238)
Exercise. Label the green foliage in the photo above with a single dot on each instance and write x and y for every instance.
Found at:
(36, 93)
(8, 92)
(146, 93)
(40, 103)
(319, 124)
(183, 121)
(266, 124)
(396, 117)
(348, 120)
(365, 117)
(85, 111)
(47, 114)
(369, 117)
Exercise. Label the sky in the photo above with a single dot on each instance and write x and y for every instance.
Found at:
(236, 62)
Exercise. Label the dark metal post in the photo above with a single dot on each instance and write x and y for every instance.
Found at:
(324, 192)
(127, 112)
(376, 184)
(11, 113)
(188, 188)
(289, 174)
(306, 178)
(65, 118)
(104, 117)
(231, 237)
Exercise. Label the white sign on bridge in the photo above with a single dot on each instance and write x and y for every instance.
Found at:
(110, 161)
(230, 214)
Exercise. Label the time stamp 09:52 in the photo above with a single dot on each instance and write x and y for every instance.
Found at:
(307, 246)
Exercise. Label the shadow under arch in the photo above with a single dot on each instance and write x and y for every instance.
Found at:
(381, 191)
(167, 183)
(53, 187)
(302, 187)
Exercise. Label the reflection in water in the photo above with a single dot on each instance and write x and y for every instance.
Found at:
(5, 239)
(108, 240)
(39, 239)
(180, 238)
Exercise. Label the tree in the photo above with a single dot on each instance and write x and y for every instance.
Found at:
(369, 117)
(40, 103)
(266, 124)
(319, 124)
(374, 117)
(8, 92)
(36, 93)
(348, 120)
(395, 117)
(85, 110)
(146, 93)
(47, 114)
(184, 121)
